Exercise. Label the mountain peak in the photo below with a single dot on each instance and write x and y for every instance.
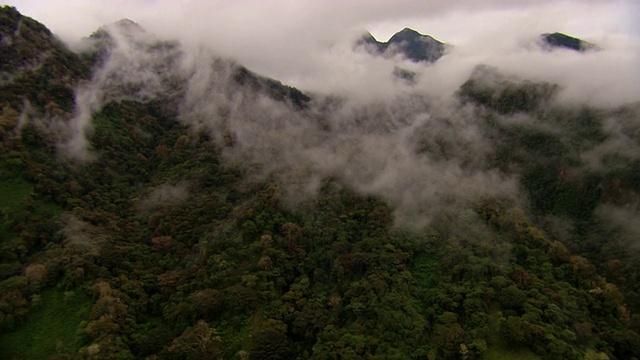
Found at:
(407, 42)
(409, 31)
(128, 24)
(124, 26)
(560, 40)
(408, 34)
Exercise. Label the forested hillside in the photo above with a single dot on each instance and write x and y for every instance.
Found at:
(162, 205)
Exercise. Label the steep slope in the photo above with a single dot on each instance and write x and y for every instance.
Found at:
(209, 221)
(162, 63)
(35, 66)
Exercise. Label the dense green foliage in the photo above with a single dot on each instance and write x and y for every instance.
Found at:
(35, 66)
(160, 249)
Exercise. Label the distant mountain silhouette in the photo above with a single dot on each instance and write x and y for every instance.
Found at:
(560, 40)
(408, 42)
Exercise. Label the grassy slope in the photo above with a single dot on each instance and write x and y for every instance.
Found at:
(50, 329)
(13, 191)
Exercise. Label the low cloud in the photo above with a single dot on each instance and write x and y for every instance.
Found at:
(625, 221)
(418, 154)
(302, 42)
(622, 131)
(165, 195)
(131, 64)
(414, 145)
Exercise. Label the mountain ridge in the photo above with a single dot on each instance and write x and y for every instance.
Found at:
(32, 54)
(407, 42)
(418, 47)
(215, 218)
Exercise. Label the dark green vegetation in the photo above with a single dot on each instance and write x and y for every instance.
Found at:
(160, 249)
(46, 70)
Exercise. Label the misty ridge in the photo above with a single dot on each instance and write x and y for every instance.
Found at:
(246, 186)
(425, 146)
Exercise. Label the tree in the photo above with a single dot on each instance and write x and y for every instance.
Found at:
(208, 302)
(447, 337)
(271, 343)
(199, 342)
(515, 330)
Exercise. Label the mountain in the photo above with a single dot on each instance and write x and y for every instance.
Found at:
(560, 40)
(162, 58)
(218, 213)
(272, 88)
(33, 56)
(407, 42)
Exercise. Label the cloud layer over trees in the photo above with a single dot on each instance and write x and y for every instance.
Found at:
(416, 146)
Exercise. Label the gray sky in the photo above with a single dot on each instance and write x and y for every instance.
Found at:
(449, 20)
(308, 43)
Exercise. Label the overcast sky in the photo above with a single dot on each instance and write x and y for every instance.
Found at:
(452, 21)
(308, 43)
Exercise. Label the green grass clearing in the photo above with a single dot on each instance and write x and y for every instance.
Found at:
(13, 191)
(50, 329)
